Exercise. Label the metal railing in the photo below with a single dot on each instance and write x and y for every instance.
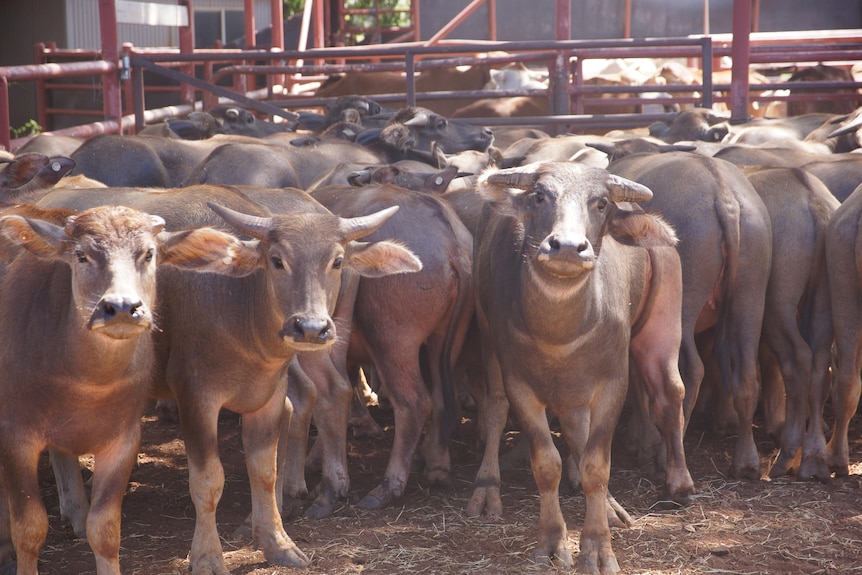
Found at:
(568, 95)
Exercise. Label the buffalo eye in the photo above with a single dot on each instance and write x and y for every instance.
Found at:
(249, 119)
(602, 204)
(277, 263)
(82, 258)
(442, 123)
(337, 263)
(148, 257)
(538, 197)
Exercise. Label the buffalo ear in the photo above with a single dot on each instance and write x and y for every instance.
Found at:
(638, 228)
(383, 258)
(209, 250)
(41, 238)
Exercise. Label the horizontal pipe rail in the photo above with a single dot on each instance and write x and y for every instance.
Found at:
(414, 57)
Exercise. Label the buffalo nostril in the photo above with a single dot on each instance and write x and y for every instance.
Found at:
(554, 244)
(298, 329)
(582, 247)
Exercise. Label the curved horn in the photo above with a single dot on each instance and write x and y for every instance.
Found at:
(420, 119)
(355, 228)
(847, 128)
(511, 179)
(254, 226)
(623, 190)
(607, 148)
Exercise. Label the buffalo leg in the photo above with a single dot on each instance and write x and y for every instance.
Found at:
(819, 334)
(293, 443)
(113, 467)
(28, 517)
(260, 433)
(794, 361)
(547, 471)
(199, 421)
(846, 390)
(486, 495)
(402, 381)
(7, 551)
(330, 416)
(74, 503)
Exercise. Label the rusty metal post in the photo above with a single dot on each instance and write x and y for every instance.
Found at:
(627, 21)
(492, 20)
(250, 30)
(741, 56)
(5, 119)
(187, 46)
(111, 102)
(277, 24)
(564, 19)
(41, 105)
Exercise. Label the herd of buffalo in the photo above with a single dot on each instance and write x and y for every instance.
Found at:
(682, 270)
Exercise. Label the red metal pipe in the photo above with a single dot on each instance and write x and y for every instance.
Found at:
(455, 22)
(564, 19)
(277, 24)
(187, 46)
(110, 53)
(250, 31)
(740, 55)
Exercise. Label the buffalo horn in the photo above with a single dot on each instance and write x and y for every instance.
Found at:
(847, 128)
(623, 190)
(254, 226)
(420, 119)
(520, 180)
(355, 228)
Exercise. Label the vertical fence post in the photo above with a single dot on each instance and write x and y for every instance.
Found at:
(110, 53)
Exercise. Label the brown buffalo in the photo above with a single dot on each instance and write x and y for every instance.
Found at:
(797, 322)
(725, 241)
(77, 311)
(562, 303)
(843, 257)
(393, 319)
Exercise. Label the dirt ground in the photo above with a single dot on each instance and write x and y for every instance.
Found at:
(736, 527)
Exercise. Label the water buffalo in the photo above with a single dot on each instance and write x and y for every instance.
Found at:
(28, 174)
(393, 319)
(566, 294)
(797, 322)
(843, 254)
(225, 342)
(725, 240)
(144, 161)
(77, 311)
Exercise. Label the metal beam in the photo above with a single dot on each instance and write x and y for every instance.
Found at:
(111, 102)
(741, 60)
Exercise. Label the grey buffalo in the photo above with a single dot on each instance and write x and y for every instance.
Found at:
(566, 293)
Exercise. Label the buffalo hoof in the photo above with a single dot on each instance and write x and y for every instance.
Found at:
(365, 427)
(243, 532)
(785, 464)
(441, 477)
(559, 557)
(680, 497)
(814, 468)
(617, 516)
(288, 556)
(487, 499)
(323, 506)
(380, 497)
(203, 567)
(597, 558)
(291, 508)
